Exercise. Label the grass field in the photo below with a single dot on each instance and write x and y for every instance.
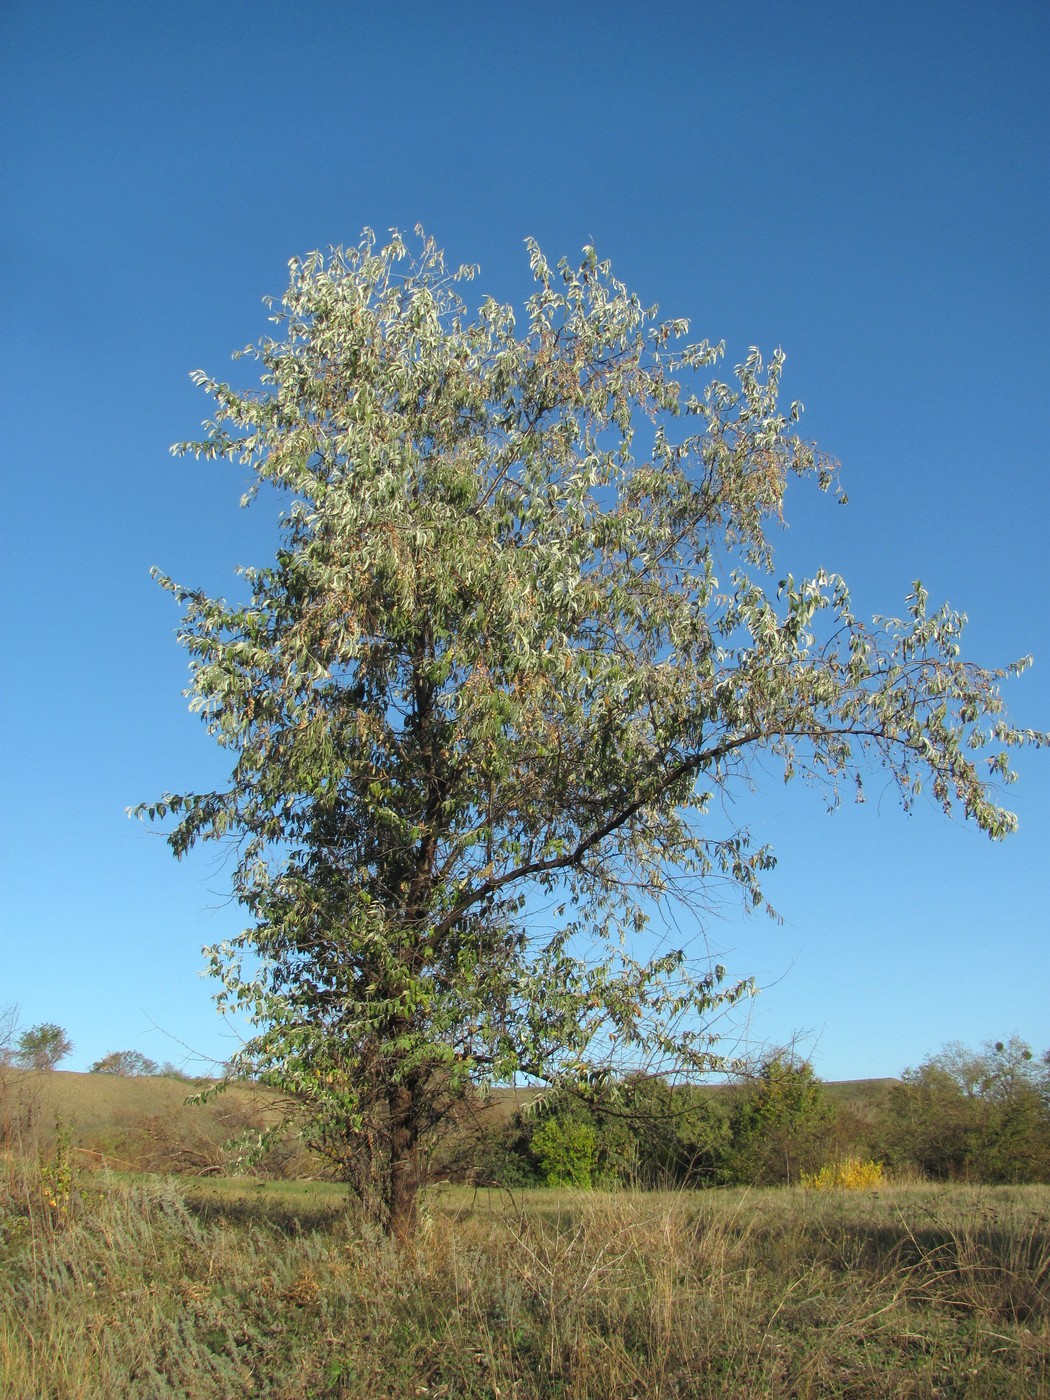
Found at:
(150, 1288)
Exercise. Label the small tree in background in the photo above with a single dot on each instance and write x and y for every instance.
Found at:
(126, 1062)
(655, 1134)
(681, 1132)
(567, 1151)
(9, 1019)
(9, 1032)
(982, 1115)
(42, 1047)
(21, 1095)
(778, 1125)
(522, 631)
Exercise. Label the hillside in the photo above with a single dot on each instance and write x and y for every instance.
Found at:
(151, 1124)
(142, 1122)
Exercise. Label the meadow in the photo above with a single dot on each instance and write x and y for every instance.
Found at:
(152, 1287)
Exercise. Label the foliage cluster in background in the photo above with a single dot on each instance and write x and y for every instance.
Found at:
(38, 1048)
(133, 1063)
(974, 1115)
(977, 1116)
(962, 1115)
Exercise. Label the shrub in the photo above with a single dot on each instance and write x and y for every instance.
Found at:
(567, 1151)
(973, 1115)
(851, 1174)
(131, 1063)
(778, 1125)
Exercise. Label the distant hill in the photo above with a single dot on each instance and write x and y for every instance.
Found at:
(144, 1122)
(862, 1097)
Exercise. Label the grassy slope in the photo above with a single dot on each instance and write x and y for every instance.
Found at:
(96, 1103)
(92, 1103)
(111, 1116)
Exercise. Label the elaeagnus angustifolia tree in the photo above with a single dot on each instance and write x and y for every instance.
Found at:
(522, 627)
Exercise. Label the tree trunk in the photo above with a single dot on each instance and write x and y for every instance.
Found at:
(402, 1206)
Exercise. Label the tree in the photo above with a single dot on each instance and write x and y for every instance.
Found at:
(41, 1047)
(8, 1034)
(983, 1115)
(660, 1135)
(522, 629)
(778, 1125)
(9, 1105)
(131, 1063)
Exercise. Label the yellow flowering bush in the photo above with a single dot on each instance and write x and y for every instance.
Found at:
(851, 1174)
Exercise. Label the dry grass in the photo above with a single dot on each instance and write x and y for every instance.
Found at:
(153, 1290)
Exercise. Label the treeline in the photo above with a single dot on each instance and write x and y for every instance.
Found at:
(43, 1047)
(133, 1064)
(976, 1116)
(962, 1115)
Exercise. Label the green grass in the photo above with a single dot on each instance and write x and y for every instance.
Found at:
(148, 1289)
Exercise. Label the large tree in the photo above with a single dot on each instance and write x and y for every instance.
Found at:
(523, 628)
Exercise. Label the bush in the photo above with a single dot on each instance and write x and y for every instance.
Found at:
(567, 1151)
(778, 1125)
(127, 1062)
(851, 1174)
(973, 1115)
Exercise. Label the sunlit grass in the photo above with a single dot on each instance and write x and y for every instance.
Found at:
(226, 1288)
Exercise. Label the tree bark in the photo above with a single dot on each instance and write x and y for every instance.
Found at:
(403, 1205)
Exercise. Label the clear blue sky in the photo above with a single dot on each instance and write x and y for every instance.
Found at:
(867, 186)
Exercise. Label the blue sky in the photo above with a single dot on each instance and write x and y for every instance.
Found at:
(865, 186)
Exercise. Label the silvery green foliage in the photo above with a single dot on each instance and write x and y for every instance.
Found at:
(522, 629)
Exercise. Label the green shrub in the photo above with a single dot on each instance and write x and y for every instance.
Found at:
(973, 1115)
(567, 1151)
(778, 1125)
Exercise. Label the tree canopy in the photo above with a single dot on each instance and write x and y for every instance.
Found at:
(129, 1063)
(523, 627)
(981, 1114)
(42, 1047)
